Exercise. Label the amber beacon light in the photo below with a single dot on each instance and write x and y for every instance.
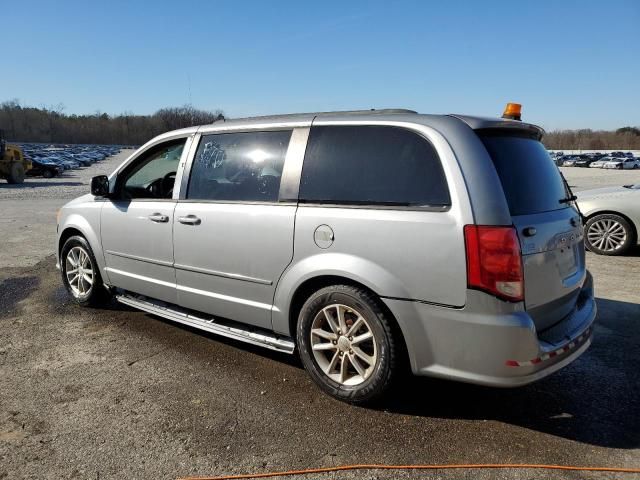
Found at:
(513, 111)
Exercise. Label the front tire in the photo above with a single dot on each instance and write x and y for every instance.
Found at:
(47, 174)
(16, 174)
(80, 272)
(348, 344)
(609, 234)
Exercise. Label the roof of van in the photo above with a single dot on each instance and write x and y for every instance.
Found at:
(438, 121)
(398, 114)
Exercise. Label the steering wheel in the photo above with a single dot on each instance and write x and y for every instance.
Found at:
(162, 187)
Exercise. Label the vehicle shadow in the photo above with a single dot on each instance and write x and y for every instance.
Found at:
(595, 400)
(28, 184)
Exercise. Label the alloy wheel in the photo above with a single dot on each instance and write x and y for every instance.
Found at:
(607, 235)
(79, 271)
(343, 344)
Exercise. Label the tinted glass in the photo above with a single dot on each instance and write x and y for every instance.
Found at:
(239, 166)
(372, 165)
(530, 180)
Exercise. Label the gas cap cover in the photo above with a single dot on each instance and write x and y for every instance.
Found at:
(323, 236)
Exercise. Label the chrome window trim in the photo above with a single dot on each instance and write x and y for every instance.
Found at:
(292, 170)
(186, 169)
(378, 206)
(239, 202)
(187, 152)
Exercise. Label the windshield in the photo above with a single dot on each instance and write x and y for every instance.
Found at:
(530, 179)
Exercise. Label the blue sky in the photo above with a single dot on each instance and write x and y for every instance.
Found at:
(572, 64)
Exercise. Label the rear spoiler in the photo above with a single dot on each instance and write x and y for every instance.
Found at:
(501, 125)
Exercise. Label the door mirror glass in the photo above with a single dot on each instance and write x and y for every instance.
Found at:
(100, 186)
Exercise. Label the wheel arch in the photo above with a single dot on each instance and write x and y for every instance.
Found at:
(310, 285)
(76, 224)
(66, 234)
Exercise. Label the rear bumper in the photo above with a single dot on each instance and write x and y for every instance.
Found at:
(501, 349)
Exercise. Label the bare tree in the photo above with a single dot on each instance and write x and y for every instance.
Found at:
(51, 124)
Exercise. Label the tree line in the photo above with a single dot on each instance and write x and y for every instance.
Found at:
(625, 138)
(51, 125)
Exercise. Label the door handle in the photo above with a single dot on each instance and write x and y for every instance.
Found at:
(190, 220)
(158, 218)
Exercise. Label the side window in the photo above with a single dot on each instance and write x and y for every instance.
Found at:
(152, 175)
(239, 166)
(364, 165)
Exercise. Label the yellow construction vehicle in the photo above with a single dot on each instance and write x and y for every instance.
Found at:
(13, 164)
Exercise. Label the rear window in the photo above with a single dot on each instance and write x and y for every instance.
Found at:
(372, 165)
(530, 180)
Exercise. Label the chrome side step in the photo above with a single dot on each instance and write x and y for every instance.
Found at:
(171, 312)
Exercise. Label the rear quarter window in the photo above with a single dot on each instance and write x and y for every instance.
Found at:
(530, 179)
(372, 165)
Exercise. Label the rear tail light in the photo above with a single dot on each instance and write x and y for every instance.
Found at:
(494, 261)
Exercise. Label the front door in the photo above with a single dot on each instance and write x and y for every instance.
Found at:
(233, 238)
(136, 224)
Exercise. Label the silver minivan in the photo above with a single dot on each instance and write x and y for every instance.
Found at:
(368, 242)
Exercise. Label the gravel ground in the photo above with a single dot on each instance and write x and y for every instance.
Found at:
(587, 178)
(114, 393)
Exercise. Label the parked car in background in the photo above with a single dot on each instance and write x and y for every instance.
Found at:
(44, 168)
(585, 162)
(613, 218)
(67, 156)
(599, 163)
(569, 161)
(624, 163)
(473, 265)
(84, 160)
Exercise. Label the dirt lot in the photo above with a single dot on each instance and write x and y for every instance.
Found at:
(114, 393)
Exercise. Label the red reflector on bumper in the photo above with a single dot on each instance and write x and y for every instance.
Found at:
(555, 353)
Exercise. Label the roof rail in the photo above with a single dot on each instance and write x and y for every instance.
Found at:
(337, 112)
(373, 110)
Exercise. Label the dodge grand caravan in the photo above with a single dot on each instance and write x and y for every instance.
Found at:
(365, 241)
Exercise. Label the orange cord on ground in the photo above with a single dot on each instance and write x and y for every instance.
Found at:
(419, 467)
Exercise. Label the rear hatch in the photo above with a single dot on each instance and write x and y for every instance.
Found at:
(548, 224)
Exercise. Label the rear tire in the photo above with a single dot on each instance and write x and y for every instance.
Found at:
(354, 352)
(47, 174)
(80, 273)
(609, 234)
(16, 173)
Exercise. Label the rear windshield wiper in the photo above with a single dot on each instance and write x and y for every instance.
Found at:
(569, 199)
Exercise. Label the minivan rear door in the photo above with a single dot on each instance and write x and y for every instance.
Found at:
(548, 225)
(233, 233)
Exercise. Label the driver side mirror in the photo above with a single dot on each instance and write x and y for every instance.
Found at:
(100, 186)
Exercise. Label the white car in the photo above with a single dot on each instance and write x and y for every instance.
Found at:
(623, 163)
(600, 163)
(612, 218)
